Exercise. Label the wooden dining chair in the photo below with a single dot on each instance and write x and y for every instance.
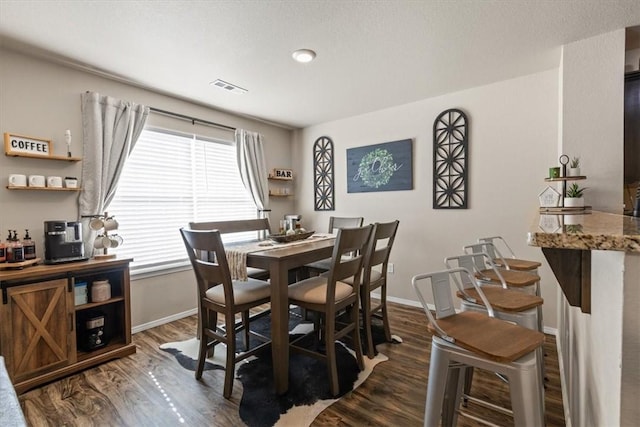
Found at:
(238, 226)
(328, 295)
(335, 223)
(374, 277)
(218, 294)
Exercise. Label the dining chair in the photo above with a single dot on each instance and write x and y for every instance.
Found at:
(374, 277)
(260, 225)
(218, 294)
(472, 339)
(335, 223)
(510, 261)
(327, 296)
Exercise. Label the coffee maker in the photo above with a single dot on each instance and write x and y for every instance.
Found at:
(63, 242)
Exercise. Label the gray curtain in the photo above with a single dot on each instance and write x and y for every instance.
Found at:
(110, 128)
(253, 168)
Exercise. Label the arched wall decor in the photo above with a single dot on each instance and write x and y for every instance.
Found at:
(324, 194)
(450, 160)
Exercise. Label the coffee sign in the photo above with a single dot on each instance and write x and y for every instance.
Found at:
(20, 145)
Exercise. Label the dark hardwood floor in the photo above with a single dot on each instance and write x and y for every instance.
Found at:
(151, 389)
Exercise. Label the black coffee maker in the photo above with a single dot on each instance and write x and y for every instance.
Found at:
(63, 242)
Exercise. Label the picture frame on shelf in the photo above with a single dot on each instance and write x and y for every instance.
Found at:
(549, 198)
(21, 145)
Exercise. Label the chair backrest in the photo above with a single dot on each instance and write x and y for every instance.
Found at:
(336, 222)
(233, 226)
(379, 248)
(486, 248)
(209, 261)
(467, 261)
(443, 300)
(348, 240)
(493, 240)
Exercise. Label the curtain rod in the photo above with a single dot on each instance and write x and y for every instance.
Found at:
(193, 120)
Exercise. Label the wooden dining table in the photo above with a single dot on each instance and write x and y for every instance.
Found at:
(279, 261)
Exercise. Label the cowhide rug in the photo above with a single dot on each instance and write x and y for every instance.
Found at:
(308, 393)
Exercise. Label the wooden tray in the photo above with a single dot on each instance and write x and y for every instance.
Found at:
(283, 238)
(18, 265)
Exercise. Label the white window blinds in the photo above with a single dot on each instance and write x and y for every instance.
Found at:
(169, 180)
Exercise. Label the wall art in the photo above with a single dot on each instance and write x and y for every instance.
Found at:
(380, 167)
(450, 160)
(323, 174)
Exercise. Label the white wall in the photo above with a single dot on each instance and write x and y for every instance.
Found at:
(513, 132)
(41, 99)
(592, 102)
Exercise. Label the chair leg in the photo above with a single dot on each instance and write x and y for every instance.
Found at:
(365, 302)
(330, 352)
(438, 373)
(229, 373)
(245, 325)
(383, 312)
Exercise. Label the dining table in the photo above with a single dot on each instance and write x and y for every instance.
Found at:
(278, 260)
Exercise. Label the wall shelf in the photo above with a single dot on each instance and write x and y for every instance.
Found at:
(10, 187)
(33, 156)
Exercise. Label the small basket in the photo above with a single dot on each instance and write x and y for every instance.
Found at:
(284, 238)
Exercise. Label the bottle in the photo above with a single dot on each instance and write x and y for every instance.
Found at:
(29, 246)
(3, 251)
(9, 248)
(16, 250)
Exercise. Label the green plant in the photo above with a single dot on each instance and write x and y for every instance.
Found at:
(574, 191)
(575, 162)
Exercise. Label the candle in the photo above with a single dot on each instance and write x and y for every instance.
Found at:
(67, 137)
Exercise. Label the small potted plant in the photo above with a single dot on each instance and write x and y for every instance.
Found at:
(574, 167)
(573, 197)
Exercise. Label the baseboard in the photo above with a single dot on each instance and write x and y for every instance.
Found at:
(162, 321)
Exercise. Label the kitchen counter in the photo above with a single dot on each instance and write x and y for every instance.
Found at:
(596, 259)
(592, 231)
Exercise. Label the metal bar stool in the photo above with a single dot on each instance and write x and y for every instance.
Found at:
(510, 261)
(473, 339)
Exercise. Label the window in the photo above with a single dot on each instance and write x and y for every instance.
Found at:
(169, 180)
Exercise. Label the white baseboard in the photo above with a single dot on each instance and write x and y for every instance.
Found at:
(149, 325)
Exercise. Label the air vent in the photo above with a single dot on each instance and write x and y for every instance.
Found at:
(229, 87)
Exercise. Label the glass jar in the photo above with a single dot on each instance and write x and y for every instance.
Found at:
(100, 291)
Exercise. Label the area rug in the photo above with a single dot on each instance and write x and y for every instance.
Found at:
(308, 393)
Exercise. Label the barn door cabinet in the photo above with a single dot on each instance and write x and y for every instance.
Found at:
(42, 331)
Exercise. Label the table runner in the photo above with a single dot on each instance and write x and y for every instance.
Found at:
(237, 252)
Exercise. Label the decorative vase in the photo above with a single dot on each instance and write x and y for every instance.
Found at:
(574, 202)
(573, 172)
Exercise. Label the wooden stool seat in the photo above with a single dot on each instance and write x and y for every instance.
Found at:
(515, 278)
(492, 338)
(517, 264)
(504, 299)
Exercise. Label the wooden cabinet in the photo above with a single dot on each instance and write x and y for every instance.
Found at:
(42, 332)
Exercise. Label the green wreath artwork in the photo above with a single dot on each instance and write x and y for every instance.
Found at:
(376, 168)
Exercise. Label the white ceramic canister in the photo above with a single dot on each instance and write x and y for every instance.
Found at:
(100, 291)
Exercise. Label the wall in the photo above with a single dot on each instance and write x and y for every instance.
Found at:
(591, 98)
(40, 98)
(513, 131)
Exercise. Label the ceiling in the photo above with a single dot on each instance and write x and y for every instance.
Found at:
(371, 55)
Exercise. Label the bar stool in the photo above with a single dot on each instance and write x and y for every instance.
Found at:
(473, 339)
(510, 261)
(513, 306)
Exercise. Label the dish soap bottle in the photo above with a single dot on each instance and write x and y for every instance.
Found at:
(29, 246)
(15, 251)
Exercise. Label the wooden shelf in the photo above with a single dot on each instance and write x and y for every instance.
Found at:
(273, 178)
(566, 178)
(98, 304)
(10, 187)
(53, 157)
(563, 210)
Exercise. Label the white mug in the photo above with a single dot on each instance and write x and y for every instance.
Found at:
(107, 223)
(115, 240)
(70, 182)
(54, 181)
(17, 180)
(36, 181)
(102, 242)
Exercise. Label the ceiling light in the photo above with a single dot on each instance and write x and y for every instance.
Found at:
(304, 55)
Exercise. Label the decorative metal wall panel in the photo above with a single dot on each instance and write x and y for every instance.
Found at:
(323, 174)
(450, 160)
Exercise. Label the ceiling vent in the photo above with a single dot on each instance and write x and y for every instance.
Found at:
(229, 87)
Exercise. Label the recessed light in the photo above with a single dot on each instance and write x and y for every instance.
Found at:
(304, 55)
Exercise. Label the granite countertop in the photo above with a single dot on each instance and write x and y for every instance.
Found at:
(595, 230)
